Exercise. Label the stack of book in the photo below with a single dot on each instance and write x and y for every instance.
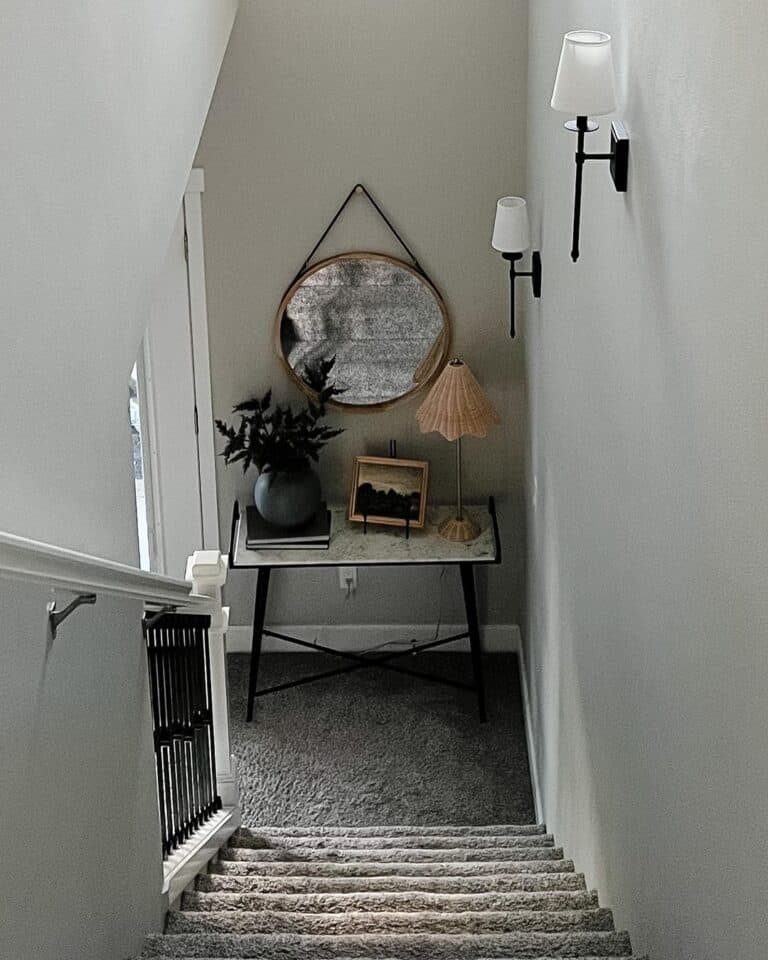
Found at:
(315, 535)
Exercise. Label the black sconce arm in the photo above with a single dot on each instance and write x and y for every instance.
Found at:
(618, 159)
(534, 273)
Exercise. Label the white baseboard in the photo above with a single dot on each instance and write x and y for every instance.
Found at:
(533, 764)
(366, 636)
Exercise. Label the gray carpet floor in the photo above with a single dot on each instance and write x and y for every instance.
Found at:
(375, 747)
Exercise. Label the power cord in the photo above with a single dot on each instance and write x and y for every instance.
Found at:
(413, 641)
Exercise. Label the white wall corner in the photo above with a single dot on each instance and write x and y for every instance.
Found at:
(530, 736)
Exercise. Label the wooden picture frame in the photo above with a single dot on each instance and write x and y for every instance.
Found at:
(389, 485)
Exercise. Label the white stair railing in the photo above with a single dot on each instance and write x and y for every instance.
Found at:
(77, 748)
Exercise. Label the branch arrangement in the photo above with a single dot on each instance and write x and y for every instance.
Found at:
(278, 438)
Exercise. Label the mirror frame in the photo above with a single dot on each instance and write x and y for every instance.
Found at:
(430, 366)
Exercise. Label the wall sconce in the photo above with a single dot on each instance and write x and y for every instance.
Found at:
(512, 237)
(584, 87)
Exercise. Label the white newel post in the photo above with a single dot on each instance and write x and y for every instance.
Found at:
(207, 571)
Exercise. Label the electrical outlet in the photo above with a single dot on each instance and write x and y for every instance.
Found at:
(348, 579)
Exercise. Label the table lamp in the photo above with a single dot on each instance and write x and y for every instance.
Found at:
(456, 406)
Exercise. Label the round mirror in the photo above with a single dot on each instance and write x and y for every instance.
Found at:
(381, 319)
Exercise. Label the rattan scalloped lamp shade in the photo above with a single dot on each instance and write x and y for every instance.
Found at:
(456, 407)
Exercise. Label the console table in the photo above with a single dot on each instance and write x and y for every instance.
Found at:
(350, 546)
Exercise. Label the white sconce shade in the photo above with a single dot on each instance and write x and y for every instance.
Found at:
(511, 237)
(584, 86)
(511, 230)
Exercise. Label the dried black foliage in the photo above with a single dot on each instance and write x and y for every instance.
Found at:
(278, 437)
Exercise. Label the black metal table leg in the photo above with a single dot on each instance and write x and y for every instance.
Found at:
(470, 605)
(259, 612)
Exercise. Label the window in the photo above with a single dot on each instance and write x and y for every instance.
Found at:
(140, 472)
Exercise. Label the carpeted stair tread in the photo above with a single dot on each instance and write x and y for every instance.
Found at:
(440, 893)
(256, 841)
(371, 868)
(398, 830)
(501, 883)
(412, 946)
(402, 901)
(357, 923)
(395, 855)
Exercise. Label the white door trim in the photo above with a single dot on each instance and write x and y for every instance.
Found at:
(198, 312)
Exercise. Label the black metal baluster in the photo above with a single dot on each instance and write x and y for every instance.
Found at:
(201, 726)
(154, 699)
(176, 751)
(189, 787)
(215, 799)
(196, 729)
(173, 787)
(178, 661)
(171, 765)
(165, 737)
(189, 661)
(180, 653)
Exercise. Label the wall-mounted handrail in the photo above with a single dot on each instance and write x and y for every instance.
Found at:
(212, 780)
(33, 560)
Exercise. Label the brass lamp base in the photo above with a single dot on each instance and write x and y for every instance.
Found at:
(459, 529)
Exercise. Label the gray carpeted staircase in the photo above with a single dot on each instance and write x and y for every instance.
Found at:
(400, 893)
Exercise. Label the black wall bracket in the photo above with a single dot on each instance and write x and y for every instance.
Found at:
(150, 619)
(619, 156)
(57, 617)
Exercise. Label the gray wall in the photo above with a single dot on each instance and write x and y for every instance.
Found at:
(648, 520)
(425, 103)
(99, 136)
(81, 836)
(107, 104)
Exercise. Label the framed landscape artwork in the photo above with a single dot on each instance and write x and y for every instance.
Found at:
(389, 491)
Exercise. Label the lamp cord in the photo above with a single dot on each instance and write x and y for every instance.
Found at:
(413, 640)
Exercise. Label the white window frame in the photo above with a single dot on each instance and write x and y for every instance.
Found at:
(149, 460)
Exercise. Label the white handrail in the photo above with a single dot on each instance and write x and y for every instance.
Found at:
(33, 560)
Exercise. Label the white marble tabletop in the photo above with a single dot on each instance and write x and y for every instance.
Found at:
(381, 545)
